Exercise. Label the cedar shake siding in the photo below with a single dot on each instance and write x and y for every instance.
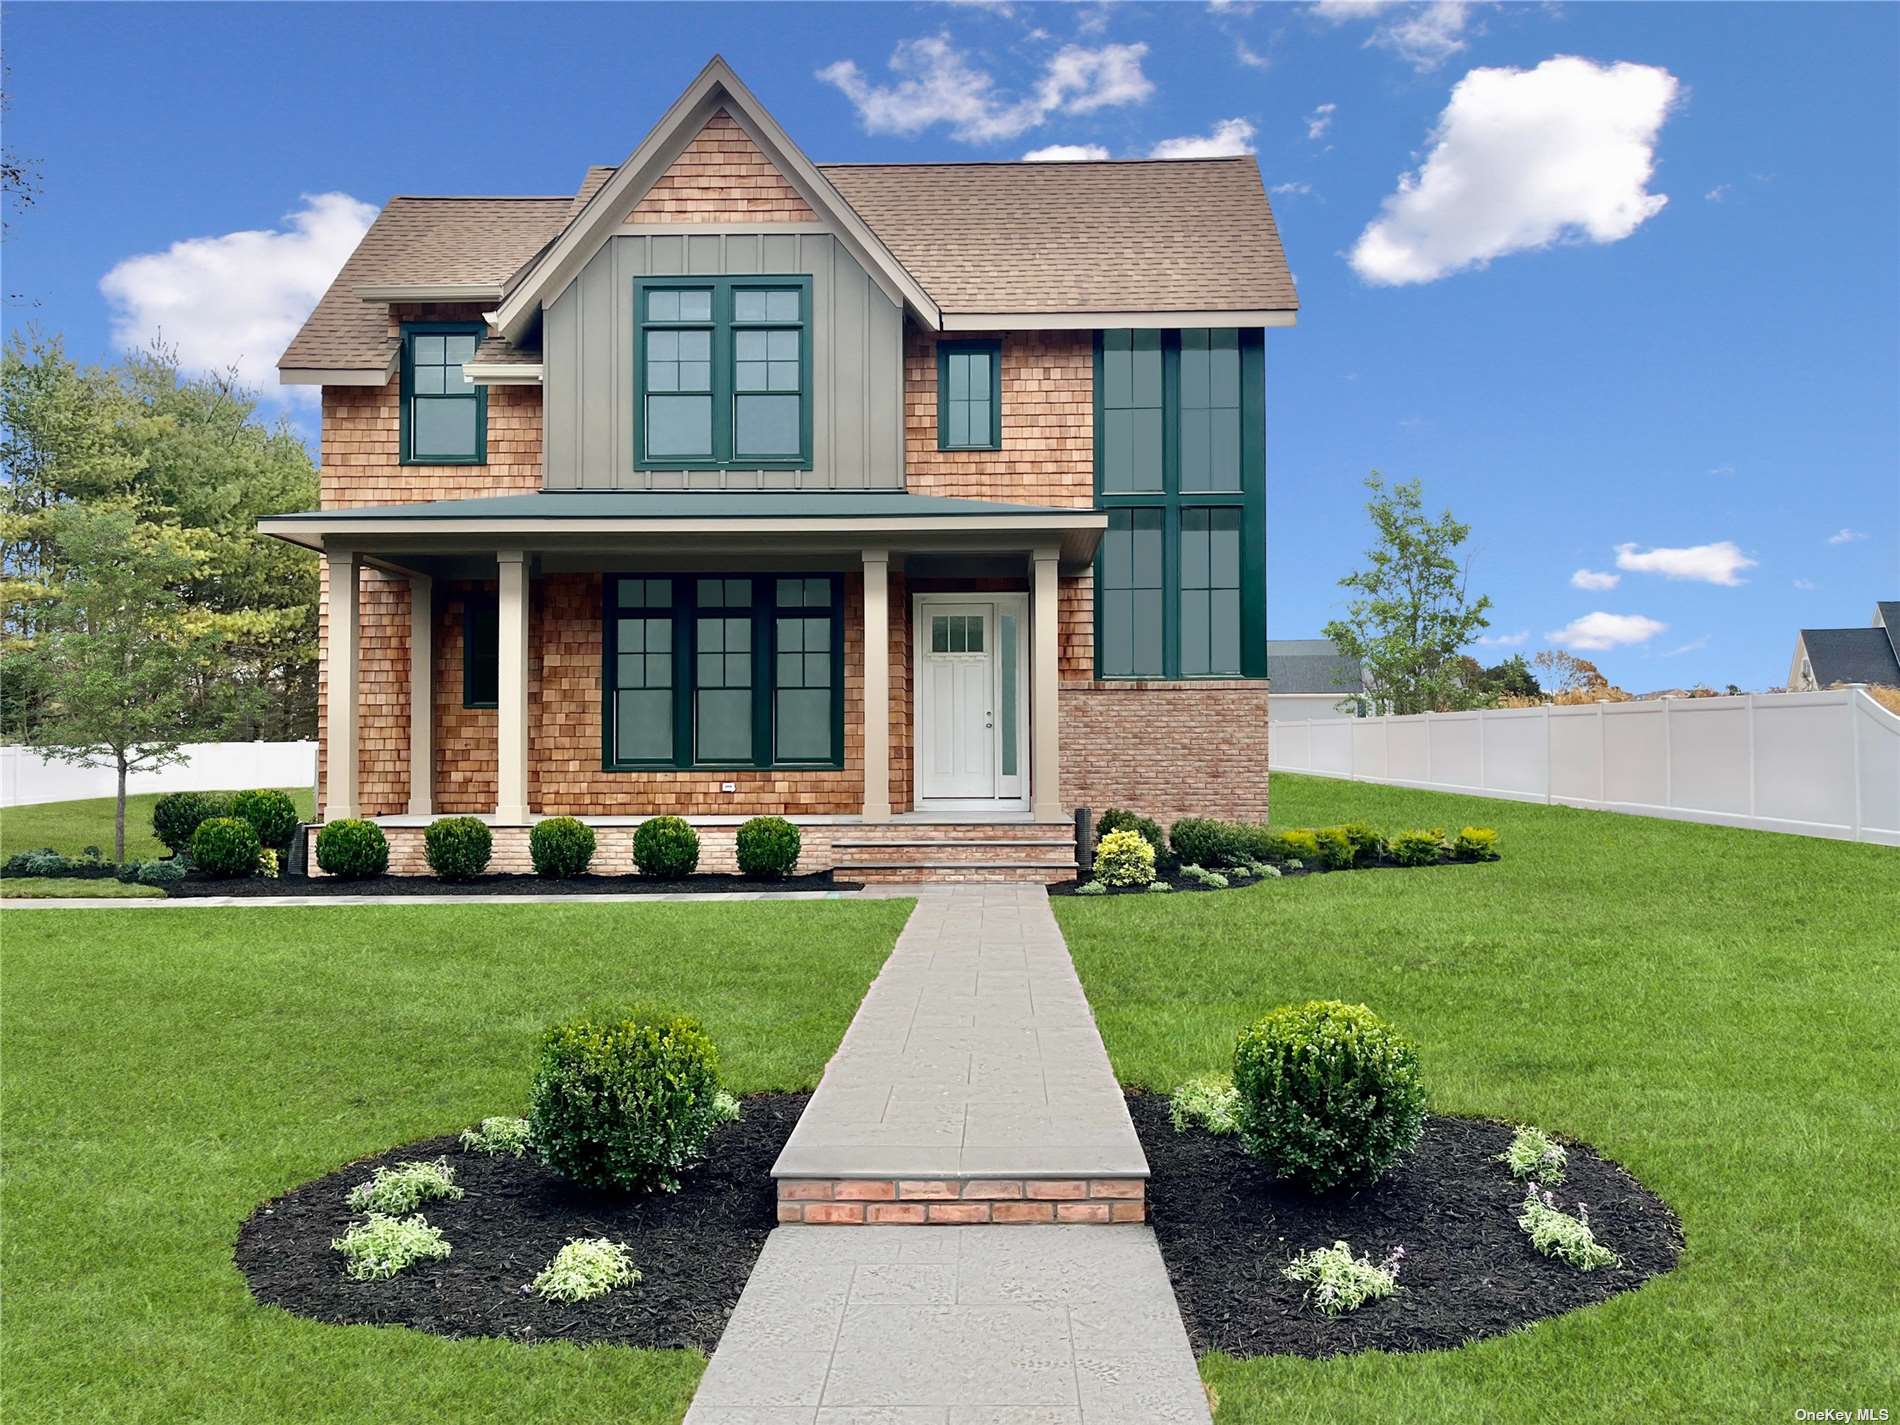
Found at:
(721, 177)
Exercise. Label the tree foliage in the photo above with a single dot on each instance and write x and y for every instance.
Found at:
(1411, 614)
(180, 453)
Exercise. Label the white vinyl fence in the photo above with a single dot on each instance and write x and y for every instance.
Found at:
(27, 777)
(1816, 764)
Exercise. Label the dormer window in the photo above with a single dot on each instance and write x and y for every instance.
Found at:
(444, 414)
(723, 374)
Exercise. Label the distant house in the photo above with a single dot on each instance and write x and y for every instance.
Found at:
(1826, 656)
(1311, 678)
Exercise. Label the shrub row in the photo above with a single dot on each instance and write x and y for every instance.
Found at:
(1213, 845)
(270, 814)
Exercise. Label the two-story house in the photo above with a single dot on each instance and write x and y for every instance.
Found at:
(920, 503)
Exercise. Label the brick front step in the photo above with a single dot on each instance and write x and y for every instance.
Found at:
(907, 872)
(890, 1202)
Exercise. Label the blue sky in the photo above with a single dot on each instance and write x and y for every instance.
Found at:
(1698, 398)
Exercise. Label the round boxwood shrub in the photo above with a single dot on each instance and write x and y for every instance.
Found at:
(176, 815)
(352, 850)
(1329, 1094)
(225, 846)
(624, 1098)
(271, 812)
(1115, 819)
(768, 847)
(1202, 841)
(561, 848)
(666, 848)
(458, 847)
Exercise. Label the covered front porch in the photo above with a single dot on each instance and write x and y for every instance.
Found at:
(840, 659)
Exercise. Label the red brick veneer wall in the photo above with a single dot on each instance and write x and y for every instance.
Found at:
(1166, 749)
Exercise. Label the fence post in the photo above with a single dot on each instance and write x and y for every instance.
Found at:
(1603, 760)
(1550, 779)
(1483, 783)
(1853, 742)
(1669, 756)
(1751, 755)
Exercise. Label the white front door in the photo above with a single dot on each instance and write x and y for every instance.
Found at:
(971, 673)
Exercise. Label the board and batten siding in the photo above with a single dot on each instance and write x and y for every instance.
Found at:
(857, 373)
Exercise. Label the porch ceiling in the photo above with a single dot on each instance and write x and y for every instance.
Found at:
(806, 522)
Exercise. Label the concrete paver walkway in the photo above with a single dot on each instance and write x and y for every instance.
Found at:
(973, 1068)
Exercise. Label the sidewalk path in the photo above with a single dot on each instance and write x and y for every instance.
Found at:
(973, 1062)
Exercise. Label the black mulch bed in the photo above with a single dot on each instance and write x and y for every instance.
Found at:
(195, 884)
(1181, 883)
(1226, 1230)
(694, 1248)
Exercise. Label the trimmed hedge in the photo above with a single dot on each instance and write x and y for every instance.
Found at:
(1202, 841)
(768, 847)
(225, 846)
(177, 815)
(666, 848)
(1330, 1094)
(270, 812)
(1418, 848)
(352, 850)
(561, 848)
(458, 847)
(624, 1099)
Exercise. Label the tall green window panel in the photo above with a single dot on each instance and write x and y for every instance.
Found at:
(723, 373)
(1180, 469)
(444, 414)
(715, 670)
(969, 395)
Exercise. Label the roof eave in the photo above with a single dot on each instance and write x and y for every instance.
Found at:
(337, 375)
(1097, 320)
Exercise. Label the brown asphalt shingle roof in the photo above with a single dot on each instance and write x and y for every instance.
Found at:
(1148, 235)
(1144, 235)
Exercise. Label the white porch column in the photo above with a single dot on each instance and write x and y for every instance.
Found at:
(511, 701)
(339, 767)
(877, 685)
(1045, 757)
(421, 695)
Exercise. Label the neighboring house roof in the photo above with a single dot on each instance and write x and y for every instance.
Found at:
(1851, 655)
(1312, 665)
(1149, 235)
(418, 242)
(1190, 238)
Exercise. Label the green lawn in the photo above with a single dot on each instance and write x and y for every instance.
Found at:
(48, 888)
(70, 827)
(1717, 1009)
(168, 1070)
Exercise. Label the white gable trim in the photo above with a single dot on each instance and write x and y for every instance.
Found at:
(716, 87)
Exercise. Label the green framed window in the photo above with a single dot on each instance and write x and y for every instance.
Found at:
(444, 414)
(481, 651)
(1180, 463)
(720, 670)
(722, 373)
(970, 395)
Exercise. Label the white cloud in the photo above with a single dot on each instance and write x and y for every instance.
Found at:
(1846, 536)
(1806, 585)
(1521, 159)
(1504, 640)
(1717, 563)
(936, 83)
(1320, 120)
(1424, 36)
(236, 299)
(1227, 138)
(1723, 470)
(1066, 153)
(1719, 192)
(1594, 579)
(1691, 646)
(1290, 190)
(1598, 632)
(1250, 56)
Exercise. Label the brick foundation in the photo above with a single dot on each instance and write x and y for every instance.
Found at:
(1166, 749)
(857, 1202)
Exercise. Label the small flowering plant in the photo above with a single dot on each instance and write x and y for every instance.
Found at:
(1534, 1154)
(497, 1135)
(1338, 1282)
(376, 1250)
(1558, 1234)
(1210, 1100)
(391, 1191)
(585, 1269)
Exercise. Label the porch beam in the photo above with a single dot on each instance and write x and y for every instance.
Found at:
(511, 701)
(877, 685)
(339, 767)
(421, 695)
(1045, 756)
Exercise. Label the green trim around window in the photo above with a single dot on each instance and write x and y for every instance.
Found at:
(481, 650)
(667, 608)
(712, 372)
(477, 394)
(1169, 502)
(991, 437)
